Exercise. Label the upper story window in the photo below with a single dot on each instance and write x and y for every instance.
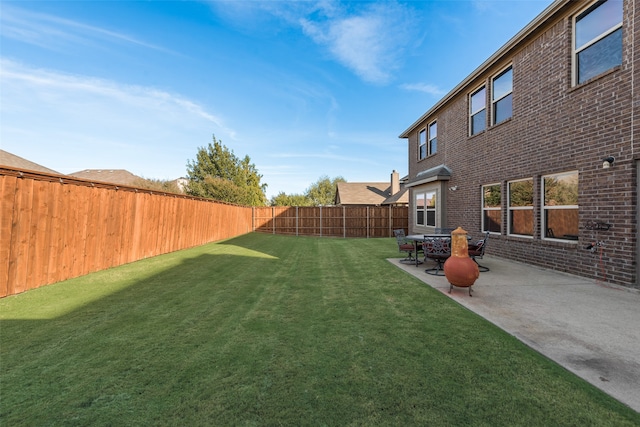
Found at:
(422, 144)
(478, 111)
(521, 207)
(560, 209)
(501, 92)
(597, 40)
(433, 138)
(491, 208)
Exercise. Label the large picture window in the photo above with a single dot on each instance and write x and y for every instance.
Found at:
(426, 208)
(478, 111)
(521, 207)
(422, 144)
(492, 208)
(501, 95)
(560, 209)
(597, 40)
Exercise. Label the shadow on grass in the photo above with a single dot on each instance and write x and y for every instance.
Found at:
(273, 330)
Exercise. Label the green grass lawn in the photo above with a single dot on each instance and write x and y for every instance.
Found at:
(274, 330)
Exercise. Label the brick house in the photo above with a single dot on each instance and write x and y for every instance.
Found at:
(518, 147)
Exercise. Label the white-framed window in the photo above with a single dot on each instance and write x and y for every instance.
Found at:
(492, 208)
(597, 40)
(520, 195)
(422, 144)
(478, 111)
(560, 206)
(433, 138)
(501, 96)
(426, 208)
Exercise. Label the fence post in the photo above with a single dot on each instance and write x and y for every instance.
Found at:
(320, 221)
(368, 224)
(273, 220)
(297, 216)
(344, 223)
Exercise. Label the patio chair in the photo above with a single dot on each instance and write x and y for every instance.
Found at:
(476, 250)
(406, 246)
(439, 250)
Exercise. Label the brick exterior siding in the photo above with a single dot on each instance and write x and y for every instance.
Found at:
(555, 127)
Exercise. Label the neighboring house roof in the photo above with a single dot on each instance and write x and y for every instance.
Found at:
(11, 160)
(112, 176)
(513, 44)
(368, 193)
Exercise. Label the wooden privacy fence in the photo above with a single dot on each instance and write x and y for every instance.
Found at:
(331, 221)
(54, 227)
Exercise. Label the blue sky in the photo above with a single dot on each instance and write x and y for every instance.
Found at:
(306, 89)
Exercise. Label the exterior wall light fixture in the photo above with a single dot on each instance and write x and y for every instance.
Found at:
(607, 162)
(454, 188)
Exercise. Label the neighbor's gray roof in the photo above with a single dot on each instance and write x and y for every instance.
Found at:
(112, 176)
(11, 160)
(368, 193)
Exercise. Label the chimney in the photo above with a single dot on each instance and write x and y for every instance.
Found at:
(395, 183)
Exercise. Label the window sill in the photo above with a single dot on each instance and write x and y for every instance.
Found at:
(593, 79)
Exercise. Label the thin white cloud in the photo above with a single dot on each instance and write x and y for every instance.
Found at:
(52, 32)
(368, 38)
(424, 88)
(85, 121)
(368, 41)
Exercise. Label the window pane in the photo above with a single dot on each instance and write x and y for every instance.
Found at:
(433, 146)
(420, 201)
(422, 144)
(522, 222)
(433, 130)
(503, 84)
(420, 218)
(521, 193)
(492, 221)
(600, 56)
(561, 190)
(431, 200)
(492, 197)
(594, 22)
(431, 218)
(561, 223)
(503, 109)
(478, 100)
(478, 122)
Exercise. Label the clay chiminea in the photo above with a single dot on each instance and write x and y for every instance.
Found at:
(459, 269)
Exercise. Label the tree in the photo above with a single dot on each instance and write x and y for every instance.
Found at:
(217, 173)
(323, 191)
(157, 185)
(283, 199)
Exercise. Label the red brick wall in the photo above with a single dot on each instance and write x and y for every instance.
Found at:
(554, 128)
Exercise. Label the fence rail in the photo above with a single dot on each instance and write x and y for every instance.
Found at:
(55, 227)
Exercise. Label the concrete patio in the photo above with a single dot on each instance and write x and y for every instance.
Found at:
(590, 328)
